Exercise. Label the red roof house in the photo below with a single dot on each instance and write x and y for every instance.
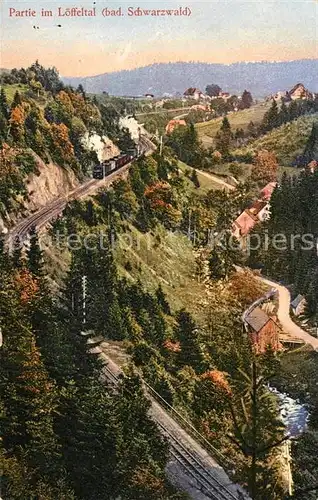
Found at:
(263, 330)
(267, 191)
(173, 124)
(244, 224)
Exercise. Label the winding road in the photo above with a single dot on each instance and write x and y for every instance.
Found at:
(284, 315)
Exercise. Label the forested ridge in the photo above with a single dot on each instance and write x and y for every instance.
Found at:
(41, 116)
(65, 434)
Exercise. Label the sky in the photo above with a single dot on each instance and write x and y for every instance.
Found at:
(217, 31)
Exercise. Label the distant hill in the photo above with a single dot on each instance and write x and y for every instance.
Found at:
(261, 78)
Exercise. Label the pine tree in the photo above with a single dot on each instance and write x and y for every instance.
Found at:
(271, 118)
(293, 111)
(187, 334)
(283, 113)
(257, 428)
(4, 257)
(223, 137)
(251, 129)
(80, 90)
(162, 301)
(35, 254)
(194, 178)
(224, 255)
(311, 148)
(16, 254)
(216, 265)
(4, 106)
(29, 396)
(247, 100)
(17, 101)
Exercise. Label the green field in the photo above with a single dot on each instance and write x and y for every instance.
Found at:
(208, 130)
(206, 183)
(287, 141)
(10, 90)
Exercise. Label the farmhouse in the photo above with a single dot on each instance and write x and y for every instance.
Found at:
(267, 191)
(173, 124)
(263, 330)
(261, 209)
(300, 92)
(298, 305)
(193, 93)
(244, 223)
(224, 95)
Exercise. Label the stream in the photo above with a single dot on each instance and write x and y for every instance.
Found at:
(293, 414)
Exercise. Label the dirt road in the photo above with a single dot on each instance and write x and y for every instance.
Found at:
(216, 179)
(284, 315)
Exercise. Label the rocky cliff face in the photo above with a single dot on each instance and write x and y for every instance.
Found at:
(51, 182)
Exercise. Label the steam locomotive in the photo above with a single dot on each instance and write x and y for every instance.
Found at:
(105, 168)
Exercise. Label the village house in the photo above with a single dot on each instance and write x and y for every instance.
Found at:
(199, 107)
(263, 330)
(259, 211)
(247, 220)
(312, 166)
(244, 223)
(267, 191)
(224, 95)
(173, 124)
(193, 93)
(281, 94)
(300, 92)
(298, 305)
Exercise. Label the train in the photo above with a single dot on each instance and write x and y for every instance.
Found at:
(105, 168)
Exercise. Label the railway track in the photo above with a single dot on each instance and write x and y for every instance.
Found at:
(205, 480)
(55, 208)
(212, 488)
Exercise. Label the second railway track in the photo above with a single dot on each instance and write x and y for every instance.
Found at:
(205, 480)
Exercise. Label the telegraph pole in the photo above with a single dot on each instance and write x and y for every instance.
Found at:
(84, 294)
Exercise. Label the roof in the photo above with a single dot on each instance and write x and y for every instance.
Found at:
(198, 106)
(297, 300)
(245, 222)
(192, 91)
(173, 124)
(267, 191)
(296, 87)
(257, 319)
(257, 206)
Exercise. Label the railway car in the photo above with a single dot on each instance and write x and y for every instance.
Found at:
(98, 171)
(103, 169)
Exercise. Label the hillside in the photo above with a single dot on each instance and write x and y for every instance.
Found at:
(208, 130)
(261, 78)
(50, 138)
(287, 141)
